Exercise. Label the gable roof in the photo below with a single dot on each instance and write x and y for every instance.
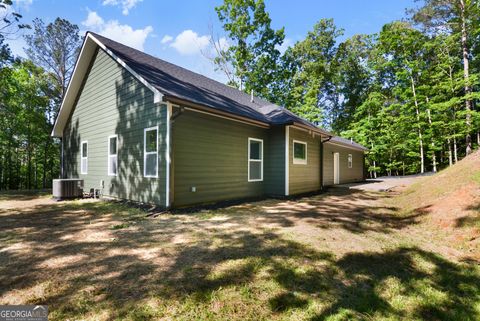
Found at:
(169, 81)
(174, 81)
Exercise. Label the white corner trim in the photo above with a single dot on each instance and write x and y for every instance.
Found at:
(299, 161)
(250, 139)
(287, 158)
(168, 156)
(157, 95)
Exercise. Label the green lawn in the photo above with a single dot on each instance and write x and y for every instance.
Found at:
(337, 256)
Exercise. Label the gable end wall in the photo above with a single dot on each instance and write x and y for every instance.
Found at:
(111, 102)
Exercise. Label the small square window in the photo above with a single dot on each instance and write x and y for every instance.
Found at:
(299, 152)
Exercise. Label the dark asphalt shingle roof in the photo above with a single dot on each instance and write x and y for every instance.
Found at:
(175, 81)
(347, 142)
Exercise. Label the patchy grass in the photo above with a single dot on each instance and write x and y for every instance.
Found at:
(25, 194)
(342, 255)
(450, 205)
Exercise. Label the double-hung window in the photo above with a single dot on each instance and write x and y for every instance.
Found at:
(112, 155)
(299, 152)
(255, 160)
(150, 152)
(84, 158)
(350, 161)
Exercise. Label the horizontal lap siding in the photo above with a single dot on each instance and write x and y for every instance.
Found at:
(114, 102)
(304, 178)
(275, 168)
(210, 153)
(347, 175)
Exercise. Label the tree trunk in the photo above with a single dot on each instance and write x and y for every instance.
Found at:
(420, 139)
(434, 157)
(466, 77)
(374, 164)
(455, 149)
(450, 160)
(44, 178)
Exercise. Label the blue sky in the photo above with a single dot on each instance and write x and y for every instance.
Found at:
(178, 31)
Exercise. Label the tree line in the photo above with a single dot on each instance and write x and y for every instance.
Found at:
(408, 92)
(31, 91)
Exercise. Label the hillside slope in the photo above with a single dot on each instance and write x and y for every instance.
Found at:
(449, 202)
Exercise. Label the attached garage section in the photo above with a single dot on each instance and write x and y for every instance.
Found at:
(346, 163)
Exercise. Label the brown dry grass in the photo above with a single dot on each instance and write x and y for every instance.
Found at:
(450, 204)
(341, 255)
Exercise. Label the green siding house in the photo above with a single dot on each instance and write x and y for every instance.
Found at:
(139, 128)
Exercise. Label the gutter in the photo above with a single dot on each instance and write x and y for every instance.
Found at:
(348, 146)
(327, 140)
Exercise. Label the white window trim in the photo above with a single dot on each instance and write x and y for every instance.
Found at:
(83, 158)
(299, 161)
(350, 161)
(109, 169)
(149, 153)
(255, 160)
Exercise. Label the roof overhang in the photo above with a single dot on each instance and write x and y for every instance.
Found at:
(87, 53)
(318, 131)
(213, 111)
(347, 145)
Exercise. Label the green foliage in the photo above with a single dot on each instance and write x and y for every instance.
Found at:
(55, 48)
(311, 89)
(30, 93)
(407, 93)
(253, 51)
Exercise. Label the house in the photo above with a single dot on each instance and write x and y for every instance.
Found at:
(143, 129)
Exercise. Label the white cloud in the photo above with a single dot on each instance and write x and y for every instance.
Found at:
(166, 39)
(223, 43)
(93, 20)
(126, 5)
(114, 30)
(188, 42)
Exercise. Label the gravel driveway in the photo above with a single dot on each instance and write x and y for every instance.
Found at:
(385, 183)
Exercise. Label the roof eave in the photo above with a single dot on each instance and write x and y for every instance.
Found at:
(314, 129)
(346, 145)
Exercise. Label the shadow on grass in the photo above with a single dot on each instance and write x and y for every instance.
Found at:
(113, 272)
(24, 195)
(472, 220)
(352, 210)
